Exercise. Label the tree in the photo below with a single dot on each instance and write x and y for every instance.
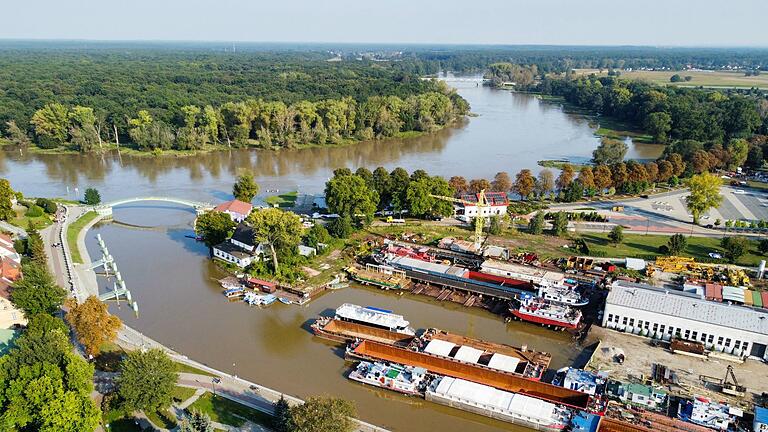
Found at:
(382, 183)
(459, 184)
(196, 421)
(546, 183)
(565, 178)
(37, 292)
(399, 180)
(51, 124)
(341, 227)
(734, 247)
(616, 236)
(17, 136)
(659, 124)
(92, 197)
(419, 201)
(524, 183)
(587, 179)
(281, 230)
(762, 246)
(47, 205)
(738, 149)
(676, 78)
(477, 185)
(146, 380)
(610, 151)
(536, 224)
(501, 182)
(602, 177)
(704, 194)
(676, 244)
(348, 195)
(560, 224)
(322, 415)
(316, 236)
(245, 188)
(495, 227)
(214, 227)
(281, 420)
(6, 205)
(93, 324)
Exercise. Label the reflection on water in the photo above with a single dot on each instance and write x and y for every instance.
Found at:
(182, 306)
(512, 131)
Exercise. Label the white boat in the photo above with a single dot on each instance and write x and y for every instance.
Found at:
(563, 295)
(257, 299)
(403, 379)
(374, 317)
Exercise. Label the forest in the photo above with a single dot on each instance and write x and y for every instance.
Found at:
(188, 99)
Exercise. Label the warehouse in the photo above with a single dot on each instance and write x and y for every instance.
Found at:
(664, 314)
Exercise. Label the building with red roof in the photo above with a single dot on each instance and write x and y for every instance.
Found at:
(236, 209)
(498, 203)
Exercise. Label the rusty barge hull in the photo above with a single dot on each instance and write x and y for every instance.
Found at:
(373, 351)
(345, 331)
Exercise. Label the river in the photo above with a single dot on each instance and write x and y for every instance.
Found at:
(173, 280)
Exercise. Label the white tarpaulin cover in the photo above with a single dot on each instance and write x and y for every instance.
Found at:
(439, 347)
(468, 354)
(503, 362)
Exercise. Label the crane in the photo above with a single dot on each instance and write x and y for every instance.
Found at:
(481, 204)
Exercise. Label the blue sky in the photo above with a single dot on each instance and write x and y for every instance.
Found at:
(569, 22)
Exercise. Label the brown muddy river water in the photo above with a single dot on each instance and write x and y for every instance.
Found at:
(174, 282)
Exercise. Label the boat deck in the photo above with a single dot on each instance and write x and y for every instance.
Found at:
(369, 350)
(539, 358)
(352, 331)
(378, 278)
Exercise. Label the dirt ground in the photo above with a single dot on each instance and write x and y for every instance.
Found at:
(640, 356)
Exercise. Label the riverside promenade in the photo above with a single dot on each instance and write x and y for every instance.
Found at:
(83, 283)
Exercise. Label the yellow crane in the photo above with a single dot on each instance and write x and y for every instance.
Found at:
(481, 204)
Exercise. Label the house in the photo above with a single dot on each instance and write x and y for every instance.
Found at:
(240, 249)
(498, 203)
(262, 285)
(7, 249)
(648, 397)
(236, 209)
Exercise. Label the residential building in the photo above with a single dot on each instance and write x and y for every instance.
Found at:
(498, 203)
(645, 396)
(7, 249)
(236, 209)
(663, 314)
(240, 249)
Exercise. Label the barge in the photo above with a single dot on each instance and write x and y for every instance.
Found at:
(377, 352)
(502, 405)
(344, 331)
(382, 276)
(506, 358)
(407, 380)
(374, 317)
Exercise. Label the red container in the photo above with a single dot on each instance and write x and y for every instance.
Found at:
(764, 295)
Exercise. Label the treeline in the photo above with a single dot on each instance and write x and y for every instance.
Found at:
(78, 97)
(668, 113)
(523, 77)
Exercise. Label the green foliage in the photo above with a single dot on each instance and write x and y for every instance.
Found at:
(44, 385)
(676, 244)
(196, 421)
(322, 415)
(536, 224)
(6, 195)
(616, 236)
(92, 197)
(316, 235)
(705, 194)
(146, 380)
(419, 201)
(560, 224)
(495, 227)
(349, 195)
(341, 227)
(610, 151)
(281, 421)
(281, 230)
(214, 227)
(762, 246)
(734, 247)
(48, 205)
(37, 292)
(245, 188)
(34, 211)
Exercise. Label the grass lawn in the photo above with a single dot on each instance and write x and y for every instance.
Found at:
(119, 421)
(225, 411)
(723, 79)
(162, 418)
(22, 220)
(183, 368)
(286, 200)
(180, 394)
(109, 358)
(73, 230)
(647, 246)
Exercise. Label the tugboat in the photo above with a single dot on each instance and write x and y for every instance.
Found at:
(540, 311)
(565, 295)
(402, 379)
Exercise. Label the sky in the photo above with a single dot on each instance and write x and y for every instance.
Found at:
(549, 22)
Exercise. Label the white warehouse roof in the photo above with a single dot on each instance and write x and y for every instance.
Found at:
(687, 306)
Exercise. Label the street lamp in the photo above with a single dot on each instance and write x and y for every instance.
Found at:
(215, 381)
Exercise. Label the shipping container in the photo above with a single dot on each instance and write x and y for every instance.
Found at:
(734, 294)
(748, 297)
(757, 299)
(764, 295)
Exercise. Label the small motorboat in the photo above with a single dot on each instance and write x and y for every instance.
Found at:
(284, 300)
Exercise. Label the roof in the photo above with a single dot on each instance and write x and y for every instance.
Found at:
(233, 249)
(261, 282)
(687, 306)
(5, 238)
(493, 198)
(761, 414)
(639, 389)
(244, 234)
(235, 206)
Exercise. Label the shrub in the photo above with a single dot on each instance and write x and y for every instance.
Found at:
(664, 250)
(47, 205)
(34, 211)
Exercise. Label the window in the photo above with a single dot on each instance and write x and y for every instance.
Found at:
(695, 336)
(610, 317)
(661, 328)
(624, 321)
(632, 321)
(727, 341)
(720, 340)
(711, 338)
(745, 347)
(655, 326)
(687, 334)
(736, 344)
(647, 325)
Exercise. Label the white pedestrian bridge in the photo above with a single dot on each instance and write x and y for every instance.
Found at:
(106, 208)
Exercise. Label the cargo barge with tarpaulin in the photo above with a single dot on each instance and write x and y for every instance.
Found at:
(481, 374)
(521, 361)
(382, 276)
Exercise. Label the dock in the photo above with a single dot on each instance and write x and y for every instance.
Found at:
(374, 351)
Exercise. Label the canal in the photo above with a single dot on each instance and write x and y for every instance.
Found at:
(175, 285)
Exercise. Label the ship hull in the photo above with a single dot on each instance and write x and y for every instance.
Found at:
(542, 320)
(363, 380)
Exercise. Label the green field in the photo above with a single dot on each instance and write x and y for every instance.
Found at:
(163, 418)
(286, 200)
(183, 368)
(180, 394)
(73, 230)
(720, 79)
(22, 220)
(222, 410)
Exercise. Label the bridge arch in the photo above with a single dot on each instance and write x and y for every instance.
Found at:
(106, 208)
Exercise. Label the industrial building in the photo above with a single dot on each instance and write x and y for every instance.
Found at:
(663, 314)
